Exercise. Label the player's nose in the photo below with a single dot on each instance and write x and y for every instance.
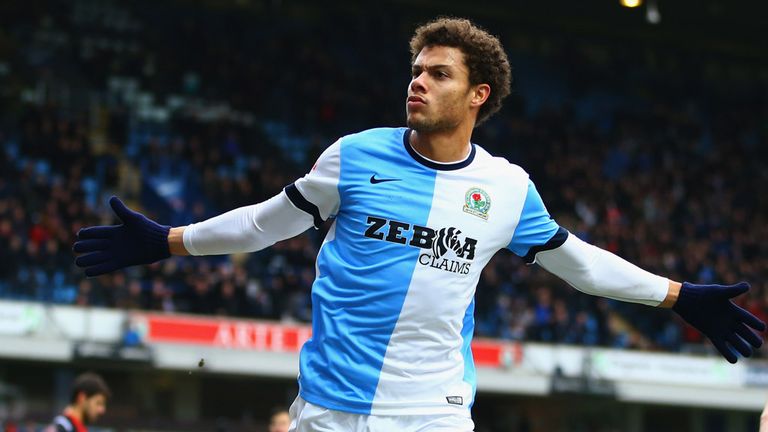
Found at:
(418, 84)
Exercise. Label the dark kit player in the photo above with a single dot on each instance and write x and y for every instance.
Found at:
(88, 402)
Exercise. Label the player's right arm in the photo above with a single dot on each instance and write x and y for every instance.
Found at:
(245, 229)
(308, 202)
(139, 240)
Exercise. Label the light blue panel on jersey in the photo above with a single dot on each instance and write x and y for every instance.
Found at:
(365, 271)
(536, 227)
(470, 373)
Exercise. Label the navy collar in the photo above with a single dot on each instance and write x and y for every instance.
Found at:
(431, 164)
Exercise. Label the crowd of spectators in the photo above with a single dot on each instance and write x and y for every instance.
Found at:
(665, 177)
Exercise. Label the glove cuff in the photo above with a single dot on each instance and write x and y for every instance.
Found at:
(157, 240)
(689, 295)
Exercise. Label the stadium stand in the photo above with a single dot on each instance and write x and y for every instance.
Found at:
(650, 148)
(189, 111)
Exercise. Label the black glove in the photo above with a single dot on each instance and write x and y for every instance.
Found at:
(710, 310)
(138, 240)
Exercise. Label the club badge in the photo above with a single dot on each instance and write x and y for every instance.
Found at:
(477, 202)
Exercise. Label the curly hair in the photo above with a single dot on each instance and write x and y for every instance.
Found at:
(485, 57)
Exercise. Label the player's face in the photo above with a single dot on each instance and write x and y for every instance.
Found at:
(94, 407)
(280, 422)
(439, 94)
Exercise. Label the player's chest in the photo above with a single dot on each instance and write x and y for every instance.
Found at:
(453, 211)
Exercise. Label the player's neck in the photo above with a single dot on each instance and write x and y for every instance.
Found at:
(73, 411)
(442, 146)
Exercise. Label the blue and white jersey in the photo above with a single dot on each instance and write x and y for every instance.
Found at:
(393, 300)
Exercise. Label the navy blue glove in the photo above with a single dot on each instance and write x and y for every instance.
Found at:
(709, 308)
(138, 240)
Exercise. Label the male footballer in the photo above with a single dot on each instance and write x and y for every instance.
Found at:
(88, 402)
(417, 213)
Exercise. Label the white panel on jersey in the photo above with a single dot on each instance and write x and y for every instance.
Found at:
(424, 368)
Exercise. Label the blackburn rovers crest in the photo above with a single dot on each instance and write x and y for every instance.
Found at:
(477, 202)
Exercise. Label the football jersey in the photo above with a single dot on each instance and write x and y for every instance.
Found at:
(393, 298)
(66, 423)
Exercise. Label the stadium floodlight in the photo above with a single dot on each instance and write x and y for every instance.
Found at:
(652, 14)
(631, 3)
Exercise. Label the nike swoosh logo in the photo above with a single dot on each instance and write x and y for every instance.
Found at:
(374, 180)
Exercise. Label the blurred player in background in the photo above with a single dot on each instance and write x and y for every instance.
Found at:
(279, 420)
(418, 212)
(88, 402)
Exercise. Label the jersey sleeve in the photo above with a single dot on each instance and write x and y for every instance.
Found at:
(247, 229)
(536, 231)
(595, 271)
(317, 193)
(62, 424)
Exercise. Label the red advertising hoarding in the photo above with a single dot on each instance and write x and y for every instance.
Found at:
(270, 336)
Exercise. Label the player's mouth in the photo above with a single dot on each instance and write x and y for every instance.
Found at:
(416, 101)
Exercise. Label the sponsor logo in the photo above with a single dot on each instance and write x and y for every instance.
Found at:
(445, 249)
(375, 180)
(477, 202)
(447, 238)
(455, 400)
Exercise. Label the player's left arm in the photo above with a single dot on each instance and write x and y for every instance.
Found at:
(599, 272)
(707, 307)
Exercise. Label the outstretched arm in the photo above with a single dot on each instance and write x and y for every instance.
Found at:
(309, 201)
(140, 240)
(709, 308)
(706, 307)
(598, 272)
(245, 229)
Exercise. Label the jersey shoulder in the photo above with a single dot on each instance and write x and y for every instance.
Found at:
(500, 166)
(374, 136)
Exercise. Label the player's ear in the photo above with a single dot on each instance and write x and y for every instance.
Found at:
(480, 94)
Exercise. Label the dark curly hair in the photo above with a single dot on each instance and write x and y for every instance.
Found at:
(91, 384)
(485, 57)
